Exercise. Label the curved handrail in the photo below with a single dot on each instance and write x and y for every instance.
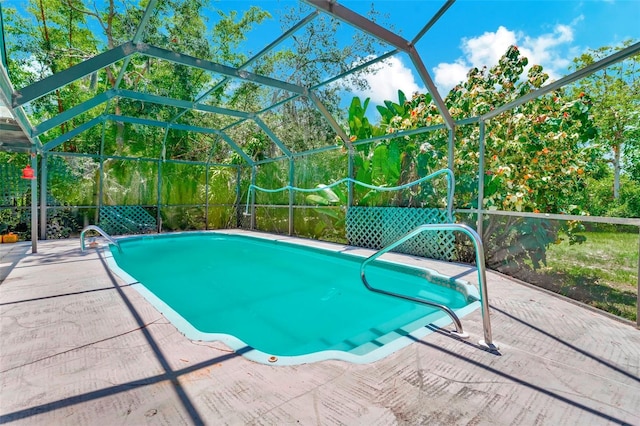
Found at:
(482, 278)
(456, 321)
(101, 232)
(451, 185)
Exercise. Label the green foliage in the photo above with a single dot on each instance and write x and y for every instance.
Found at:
(307, 60)
(615, 92)
(328, 219)
(537, 155)
(602, 203)
(53, 35)
(397, 161)
(72, 181)
(10, 219)
(272, 175)
(359, 125)
(537, 158)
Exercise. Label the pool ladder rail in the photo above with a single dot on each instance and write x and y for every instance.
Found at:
(101, 232)
(487, 343)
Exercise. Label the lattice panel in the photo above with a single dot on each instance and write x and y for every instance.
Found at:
(119, 220)
(377, 227)
(13, 189)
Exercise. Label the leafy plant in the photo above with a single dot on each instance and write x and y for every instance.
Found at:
(396, 161)
(329, 215)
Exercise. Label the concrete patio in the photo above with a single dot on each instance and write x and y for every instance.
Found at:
(80, 347)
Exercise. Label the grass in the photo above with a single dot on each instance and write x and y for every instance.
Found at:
(602, 272)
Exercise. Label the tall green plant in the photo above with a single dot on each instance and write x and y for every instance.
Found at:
(400, 160)
(615, 92)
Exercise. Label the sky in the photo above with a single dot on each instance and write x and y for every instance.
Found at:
(478, 33)
(475, 33)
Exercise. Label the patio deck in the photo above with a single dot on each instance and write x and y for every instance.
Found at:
(80, 347)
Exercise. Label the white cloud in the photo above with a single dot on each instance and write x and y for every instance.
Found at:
(391, 75)
(448, 75)
(543, 49)
(486, 50)
(489, 47)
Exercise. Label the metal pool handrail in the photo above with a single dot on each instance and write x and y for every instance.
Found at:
(482, 278)
(101, 232)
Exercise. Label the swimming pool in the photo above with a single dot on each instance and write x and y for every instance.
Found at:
(282, 303)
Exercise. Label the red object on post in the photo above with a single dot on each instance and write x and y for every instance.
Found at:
(27, 173)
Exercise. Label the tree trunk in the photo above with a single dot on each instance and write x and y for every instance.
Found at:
(616, 171)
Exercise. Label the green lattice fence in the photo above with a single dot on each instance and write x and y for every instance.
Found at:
(377, 227)
(120, 220)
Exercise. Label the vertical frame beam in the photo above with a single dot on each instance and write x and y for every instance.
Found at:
(451, 148)
(350, 175)
(253, 198)
(3, 48)
(479, 225)
(291, 194)
(101, 175)
(159, 196)
(206, 197)
(238, 197)
(34, 205)
(43, 196)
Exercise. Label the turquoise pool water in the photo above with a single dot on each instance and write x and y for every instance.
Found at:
(282, 302)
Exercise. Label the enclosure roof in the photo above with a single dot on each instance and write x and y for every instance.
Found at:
(209, 109)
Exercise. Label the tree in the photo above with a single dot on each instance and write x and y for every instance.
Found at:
(50, 39)
(615, 93)
(310, 57)
(537, 154)
(55, 34)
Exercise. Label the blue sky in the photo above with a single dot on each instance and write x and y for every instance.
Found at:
(477, 32)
